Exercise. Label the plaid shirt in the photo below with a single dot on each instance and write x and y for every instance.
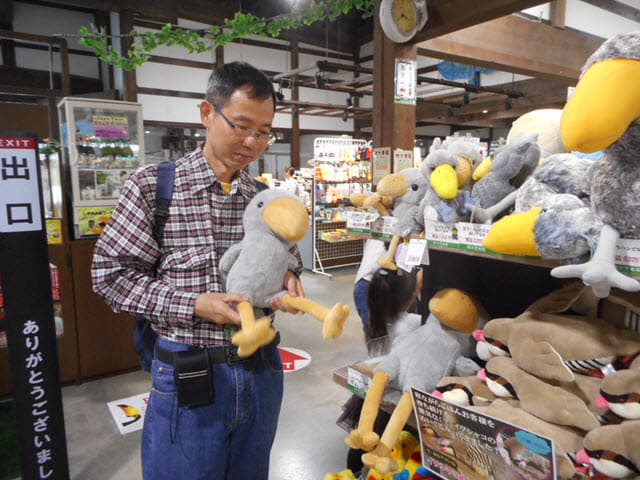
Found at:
(203, 223)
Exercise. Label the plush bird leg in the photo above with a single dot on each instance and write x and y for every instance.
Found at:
(600, 272)
(253, 334)
(486, 215)
(364, 437)
(387, 262)
(380, 458)
(333, 319)
(375, 200)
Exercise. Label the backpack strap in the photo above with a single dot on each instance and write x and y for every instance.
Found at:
(164, 192)
(260, 186)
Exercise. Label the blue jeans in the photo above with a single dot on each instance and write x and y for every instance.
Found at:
(229, 439)
(360, 299)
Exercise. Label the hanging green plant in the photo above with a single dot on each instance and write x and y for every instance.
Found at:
(241, 25)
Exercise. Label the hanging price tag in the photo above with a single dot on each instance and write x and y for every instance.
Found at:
(417, 253)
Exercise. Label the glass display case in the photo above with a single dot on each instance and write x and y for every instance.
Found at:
(101, 149)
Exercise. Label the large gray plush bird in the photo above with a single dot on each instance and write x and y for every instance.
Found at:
(566, 226)
(256, 267)
(603, 113)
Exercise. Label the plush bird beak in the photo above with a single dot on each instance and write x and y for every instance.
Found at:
(393, 185)
(482, 169)
(604, 103)
(444, 180)
(287, 218)
(463, 169)
(513, 235)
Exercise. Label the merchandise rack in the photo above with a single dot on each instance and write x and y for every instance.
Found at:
(326, 254)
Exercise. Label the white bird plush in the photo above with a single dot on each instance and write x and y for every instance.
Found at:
(604, 113)
(256, 267)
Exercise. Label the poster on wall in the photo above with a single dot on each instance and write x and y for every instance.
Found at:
(462, 444)
(402, 159)
(381, 163)
(92, 220)
(110, 126)
(405, 81)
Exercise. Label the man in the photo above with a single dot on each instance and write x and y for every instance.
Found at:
(217, 418)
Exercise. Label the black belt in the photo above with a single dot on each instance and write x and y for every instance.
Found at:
(224, 354)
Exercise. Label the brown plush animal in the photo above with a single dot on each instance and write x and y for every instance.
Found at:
(545, 401)
(620, 392)
(464, 391)
(554, 346)
(613, 450)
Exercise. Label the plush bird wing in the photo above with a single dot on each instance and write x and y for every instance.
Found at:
(540, 359)
(229, 258)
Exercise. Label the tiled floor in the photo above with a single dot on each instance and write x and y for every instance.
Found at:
(308, 443)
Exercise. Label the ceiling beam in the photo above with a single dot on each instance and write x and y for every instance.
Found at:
(514, 44)
(618, 8)
(446, 16)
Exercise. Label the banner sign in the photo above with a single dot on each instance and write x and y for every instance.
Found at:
(28, 307)
(462, 444)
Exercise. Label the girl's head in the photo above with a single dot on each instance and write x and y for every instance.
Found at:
(390, 293)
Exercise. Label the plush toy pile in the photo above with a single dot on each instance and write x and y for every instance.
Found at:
(562, 371)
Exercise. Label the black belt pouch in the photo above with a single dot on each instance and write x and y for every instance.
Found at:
(194, 378)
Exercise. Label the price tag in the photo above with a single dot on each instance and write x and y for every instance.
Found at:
(382, 228)
(358, 222)
(417, 253)
(358, 382)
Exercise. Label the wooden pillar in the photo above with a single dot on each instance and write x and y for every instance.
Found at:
(129, 76)
(295, 96)
(394, 125)
(219, 56)
(7, 46)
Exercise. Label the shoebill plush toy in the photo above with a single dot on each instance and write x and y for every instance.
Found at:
(604, 113)
(256, 267)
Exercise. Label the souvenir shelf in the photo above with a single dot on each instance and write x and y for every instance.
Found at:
(101, 149)
(342, 167)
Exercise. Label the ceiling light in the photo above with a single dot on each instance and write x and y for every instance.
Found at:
(197, 134)
(485, 111)
(147, 131)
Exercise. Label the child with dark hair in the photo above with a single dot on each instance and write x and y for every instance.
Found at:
(390, 295)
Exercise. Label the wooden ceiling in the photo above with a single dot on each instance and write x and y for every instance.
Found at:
(550, 54)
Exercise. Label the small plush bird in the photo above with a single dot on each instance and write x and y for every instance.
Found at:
(256, 267)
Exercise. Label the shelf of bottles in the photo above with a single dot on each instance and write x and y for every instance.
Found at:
(342, 167)
(102, 149)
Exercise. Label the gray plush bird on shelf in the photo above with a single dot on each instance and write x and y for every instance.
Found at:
(256, 267)
(565, 227)
(603, 113)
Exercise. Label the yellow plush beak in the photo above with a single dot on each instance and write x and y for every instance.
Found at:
(393, 185)
(444, 180)
(287, 218)
(513, 235)
(482, 169)
(604, 103)
(463, 169)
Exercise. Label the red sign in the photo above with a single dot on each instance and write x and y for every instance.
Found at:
(17, 142)
(294, 359)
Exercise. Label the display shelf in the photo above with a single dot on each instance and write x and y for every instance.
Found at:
(102, 144)
(340, 170)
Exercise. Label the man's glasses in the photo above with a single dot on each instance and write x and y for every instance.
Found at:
(244, 132)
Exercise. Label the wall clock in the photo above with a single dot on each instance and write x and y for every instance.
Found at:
(402, 19)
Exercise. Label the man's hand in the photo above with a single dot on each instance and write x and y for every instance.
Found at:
(293, 285)
(215, 307)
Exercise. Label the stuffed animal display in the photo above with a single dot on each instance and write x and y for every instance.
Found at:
(438, 348)
(604, 114)
(565, 370)
(256, 267)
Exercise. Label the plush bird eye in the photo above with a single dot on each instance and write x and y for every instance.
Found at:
(414, 187)
(260, 204)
